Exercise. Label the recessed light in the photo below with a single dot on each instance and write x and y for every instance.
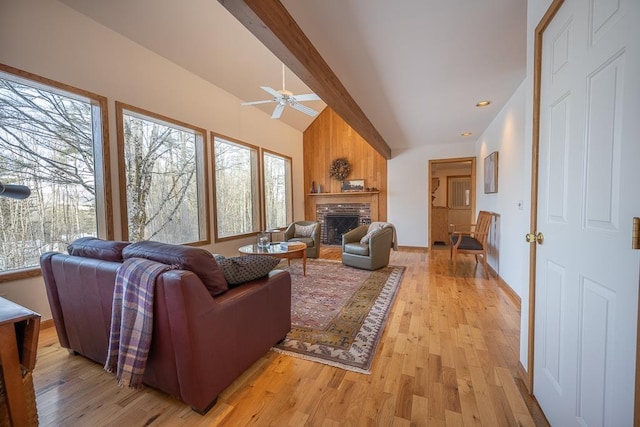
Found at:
(483, 103)
(465, 134)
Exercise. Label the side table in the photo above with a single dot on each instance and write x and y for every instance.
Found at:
(19, 329)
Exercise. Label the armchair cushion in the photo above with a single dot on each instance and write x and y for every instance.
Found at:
(467, 242)
(304, 230)
(306, 240)
(357, 248)
(242, 269)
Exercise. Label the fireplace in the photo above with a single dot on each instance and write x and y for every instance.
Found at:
(338, 224)
(338, 218)
(362, 205)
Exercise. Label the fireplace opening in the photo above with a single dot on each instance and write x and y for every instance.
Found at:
(336, 225)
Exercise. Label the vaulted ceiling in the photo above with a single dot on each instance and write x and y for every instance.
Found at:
(415, 68)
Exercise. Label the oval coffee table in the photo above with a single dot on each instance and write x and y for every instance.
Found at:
(292, 250)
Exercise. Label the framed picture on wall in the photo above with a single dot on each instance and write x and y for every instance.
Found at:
(352, 185)
(491, 173)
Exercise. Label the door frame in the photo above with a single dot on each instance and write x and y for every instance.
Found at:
(473, 186)
(537, 82)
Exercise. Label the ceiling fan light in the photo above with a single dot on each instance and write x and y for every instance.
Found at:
(284, 98)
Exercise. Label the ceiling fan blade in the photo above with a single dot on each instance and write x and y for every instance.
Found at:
(271, 91)
(258, 102)
(277, 112)
(307, 97)
(304, 109)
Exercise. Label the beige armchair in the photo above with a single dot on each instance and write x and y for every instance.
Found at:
(307, 232)
(370, 255)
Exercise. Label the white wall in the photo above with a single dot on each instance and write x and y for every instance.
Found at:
(510, 135)
(408, 187)
(52, 40)
(506, 135)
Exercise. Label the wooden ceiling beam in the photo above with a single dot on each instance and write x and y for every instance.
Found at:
(272, 24)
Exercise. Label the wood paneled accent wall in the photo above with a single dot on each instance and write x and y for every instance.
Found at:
(328, 138)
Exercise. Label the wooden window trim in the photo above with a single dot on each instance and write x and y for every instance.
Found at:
(202, 154)
(264, 202)
(259, 196)
(104, 202)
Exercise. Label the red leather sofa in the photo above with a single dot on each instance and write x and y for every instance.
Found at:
(201, 342)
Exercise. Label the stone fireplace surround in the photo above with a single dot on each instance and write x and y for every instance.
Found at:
(364, 204)
(325, 212)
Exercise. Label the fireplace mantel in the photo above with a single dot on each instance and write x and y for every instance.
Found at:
(346, 193)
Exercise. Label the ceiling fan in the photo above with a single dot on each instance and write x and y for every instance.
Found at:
(284, 97)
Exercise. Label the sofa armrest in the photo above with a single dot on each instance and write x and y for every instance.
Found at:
(54, 298)
(216, 339)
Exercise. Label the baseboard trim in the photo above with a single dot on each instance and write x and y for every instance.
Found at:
(413, 249)
(506, 287)
(45, 324)
(524, 376)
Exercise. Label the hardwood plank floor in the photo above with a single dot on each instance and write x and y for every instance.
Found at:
(448, 357)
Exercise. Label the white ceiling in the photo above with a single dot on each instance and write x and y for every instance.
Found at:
(415, 67)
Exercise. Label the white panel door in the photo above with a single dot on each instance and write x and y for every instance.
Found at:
(587, 275)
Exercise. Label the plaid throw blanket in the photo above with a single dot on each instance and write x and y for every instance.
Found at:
(132, 320)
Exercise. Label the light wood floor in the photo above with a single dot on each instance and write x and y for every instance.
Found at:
(448, 357)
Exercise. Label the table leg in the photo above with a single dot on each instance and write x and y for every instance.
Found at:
(12, 374)
(304, 262)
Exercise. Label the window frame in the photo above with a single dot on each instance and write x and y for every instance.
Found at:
(202, 179)
(101, 154)
(289, 201)
(257, 210)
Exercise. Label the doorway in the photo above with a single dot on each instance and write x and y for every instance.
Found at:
(452, 190)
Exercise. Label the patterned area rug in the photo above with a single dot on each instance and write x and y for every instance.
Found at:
(338, 313)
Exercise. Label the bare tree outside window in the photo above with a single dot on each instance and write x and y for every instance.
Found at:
(277, 190)
(236, 181)
(46, 143)
(162, 184)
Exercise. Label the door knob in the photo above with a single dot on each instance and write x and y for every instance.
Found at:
(532, 238)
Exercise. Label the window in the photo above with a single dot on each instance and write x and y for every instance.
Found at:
(278, 202)
(51, 140)
(236, 186)
(163, 170)
(459, 192)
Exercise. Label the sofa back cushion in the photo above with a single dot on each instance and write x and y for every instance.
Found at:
(198, 260)
(92, 247)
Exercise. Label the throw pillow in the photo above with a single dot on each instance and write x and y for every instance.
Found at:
(373, 230)
(304, 230)
(242, 269)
